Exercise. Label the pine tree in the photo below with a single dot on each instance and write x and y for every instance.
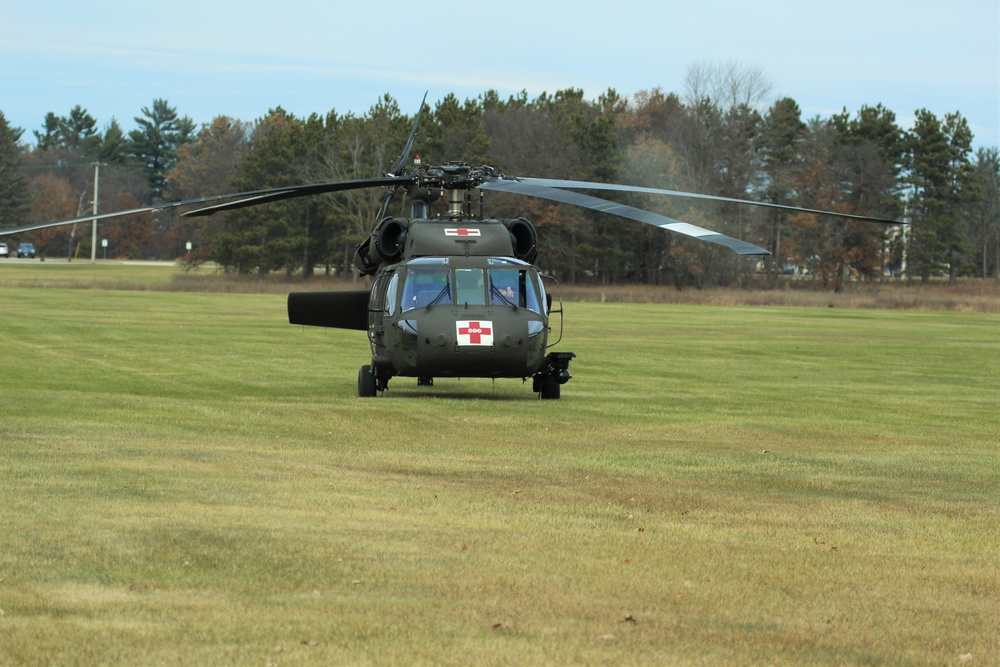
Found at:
(13, 187)
(161, 132)
(986, 211)
(781, 138)
(268, 238)
(114, 146)
(940, 171)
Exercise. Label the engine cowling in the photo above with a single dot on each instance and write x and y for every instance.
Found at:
(523, 238)
(390, 239)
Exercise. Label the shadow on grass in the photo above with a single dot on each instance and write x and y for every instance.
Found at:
(456, 394)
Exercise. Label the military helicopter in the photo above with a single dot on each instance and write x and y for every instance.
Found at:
(455, 294)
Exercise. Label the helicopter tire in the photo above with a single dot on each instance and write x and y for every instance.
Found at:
(550, 388)
(366, 382)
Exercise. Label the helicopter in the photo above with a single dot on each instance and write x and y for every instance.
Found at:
(454, 294)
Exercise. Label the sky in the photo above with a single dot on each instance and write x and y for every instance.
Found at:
(241, 58)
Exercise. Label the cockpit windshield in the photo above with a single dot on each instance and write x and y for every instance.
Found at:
(505, 282)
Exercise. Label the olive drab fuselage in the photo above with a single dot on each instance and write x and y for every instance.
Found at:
(458, 316)
(457, 297)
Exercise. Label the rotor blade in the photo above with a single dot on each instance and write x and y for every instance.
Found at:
(249, 198)
(291, 192)
(70, 221)
(403, 159)
(533, 189)
(587, 185)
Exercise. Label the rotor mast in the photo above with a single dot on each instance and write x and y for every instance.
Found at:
(456, 199)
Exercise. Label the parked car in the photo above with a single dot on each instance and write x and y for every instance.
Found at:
(4, 250)
(26, 250)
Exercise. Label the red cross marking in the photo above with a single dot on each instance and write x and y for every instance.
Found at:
(475, 331)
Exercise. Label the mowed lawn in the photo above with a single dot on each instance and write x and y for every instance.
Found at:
(187, 479)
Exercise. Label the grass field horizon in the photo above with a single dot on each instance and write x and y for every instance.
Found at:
(185, 478)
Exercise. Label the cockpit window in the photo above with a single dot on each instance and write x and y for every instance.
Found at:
(391, 293)
(425, 287)
(513, 287)
(469, 287)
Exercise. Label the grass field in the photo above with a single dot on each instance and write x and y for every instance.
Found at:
(187, 479)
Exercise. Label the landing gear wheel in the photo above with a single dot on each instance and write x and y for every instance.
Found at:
(366, 382)
(550, 387)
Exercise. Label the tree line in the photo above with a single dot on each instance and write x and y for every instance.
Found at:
(718, 136)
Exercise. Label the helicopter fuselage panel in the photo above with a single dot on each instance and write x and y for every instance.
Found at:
(456, 341)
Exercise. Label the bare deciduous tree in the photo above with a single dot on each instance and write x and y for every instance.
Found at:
(726, 85)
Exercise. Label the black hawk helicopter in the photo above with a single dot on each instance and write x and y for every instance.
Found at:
(455, 294)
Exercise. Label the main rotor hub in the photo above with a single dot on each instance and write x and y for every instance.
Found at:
(452, 176)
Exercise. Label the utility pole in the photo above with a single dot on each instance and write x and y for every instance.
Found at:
(93, 240)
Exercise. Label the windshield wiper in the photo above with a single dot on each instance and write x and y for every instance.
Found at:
(445, 291)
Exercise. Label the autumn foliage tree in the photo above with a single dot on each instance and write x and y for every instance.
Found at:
(207, 166)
